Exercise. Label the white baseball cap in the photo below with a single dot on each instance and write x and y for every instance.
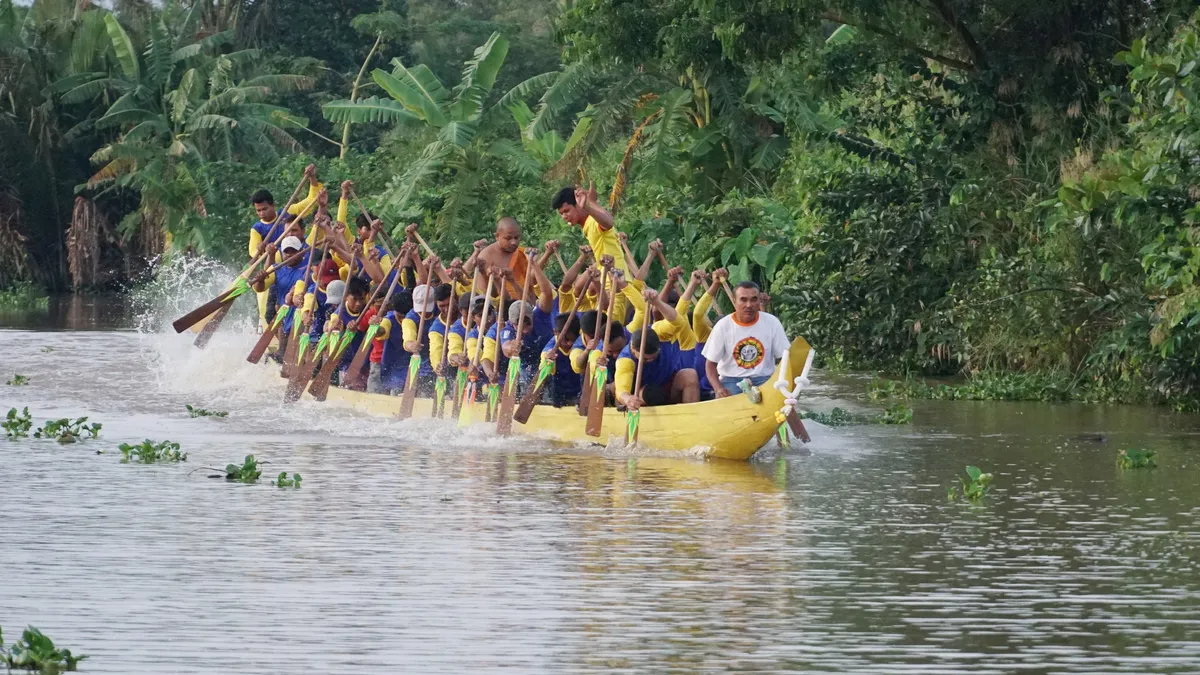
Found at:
(423, 300)
(292, 243)
(335, 291)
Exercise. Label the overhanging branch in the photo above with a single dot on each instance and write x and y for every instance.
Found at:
(903, 42)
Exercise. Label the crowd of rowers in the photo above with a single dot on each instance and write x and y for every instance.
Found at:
(593, 318)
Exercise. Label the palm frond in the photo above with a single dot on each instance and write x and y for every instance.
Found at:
(458, 134)
(431, 161)
(516, 158)
(121, 117)
(158, 55)
(419, 100)
(146, 129)
(282, 82)
(122, 47)
(373, 109)
(527, 88)
(570, 86)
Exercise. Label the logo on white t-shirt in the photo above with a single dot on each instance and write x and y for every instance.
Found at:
(748, 352)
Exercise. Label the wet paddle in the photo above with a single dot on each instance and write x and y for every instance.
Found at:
(595, 416)
(414, 362)
(294, 348)
(319, 388)
(240, 284)
(633, 418)
(545, 370)
(460, 377)
(508, 396)
(303, 372)
(440, 384)
(470, 394)
(354, 374)
(264, 340)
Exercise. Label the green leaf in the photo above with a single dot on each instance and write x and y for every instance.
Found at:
(123, 47)
(974, 472)
(367, 110)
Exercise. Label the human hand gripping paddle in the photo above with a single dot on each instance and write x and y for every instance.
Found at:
(293, 352)
(211, 327)
(303, 372)
(595, 415)
(240, 284)
(470, 391)
(508, 396)
(414, 362)
(787, 417)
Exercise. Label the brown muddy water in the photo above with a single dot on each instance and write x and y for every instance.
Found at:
(419, 548)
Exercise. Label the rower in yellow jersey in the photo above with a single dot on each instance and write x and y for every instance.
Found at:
(579, 207)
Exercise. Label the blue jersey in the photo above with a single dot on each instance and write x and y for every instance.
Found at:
(264, 229)
(393, 367)
(660, 371)
(285, 279)
(423, 338)
(347, 356)
(699, 365)
(565, 383)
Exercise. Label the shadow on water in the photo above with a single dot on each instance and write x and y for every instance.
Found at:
(420, 547)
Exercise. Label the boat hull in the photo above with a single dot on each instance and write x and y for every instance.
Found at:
(728, 428)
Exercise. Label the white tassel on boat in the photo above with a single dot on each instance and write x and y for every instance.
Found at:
(791, 390)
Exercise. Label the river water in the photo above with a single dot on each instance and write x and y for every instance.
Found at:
(414, 547)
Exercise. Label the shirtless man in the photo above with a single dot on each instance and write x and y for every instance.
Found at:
(504, 253)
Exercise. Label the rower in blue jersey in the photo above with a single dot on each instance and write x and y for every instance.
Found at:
(537, 326)
(392, 371)
(565, 384)
(667, 372)
(287, 281)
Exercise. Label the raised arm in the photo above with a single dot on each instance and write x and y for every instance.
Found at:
(544, 287)
(473, 261)
(586, 200)
(664, 310)
(573, 271)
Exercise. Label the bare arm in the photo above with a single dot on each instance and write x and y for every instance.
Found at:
(544, 287)
(586, 200)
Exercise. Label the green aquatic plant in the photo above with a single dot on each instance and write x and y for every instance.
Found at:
(17, 425)
(67, 431)
(840, 417)
(22, 295)
(35, 652)
(17, 380)
(895, 414)
(1131, 458)
(148, 452)
(974, 485)
(201, 412)
(47, 350)
(248, 472)
(284, 481)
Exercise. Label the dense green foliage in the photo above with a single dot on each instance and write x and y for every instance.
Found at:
(931, 187)
(36, 653)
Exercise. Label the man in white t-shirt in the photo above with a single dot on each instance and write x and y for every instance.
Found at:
(744, 345)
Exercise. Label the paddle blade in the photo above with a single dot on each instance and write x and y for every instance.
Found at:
(797, 427)
(354, 374)
(531, 397)
(302, 373)
(440, 386)
(260, 347)
(585, 397)
(493, 402)
(319, 388)
(508, 398)
(595, 416)
(197, 315)
(633, 422)
(211, 327)
(410, 387)
(460, 392)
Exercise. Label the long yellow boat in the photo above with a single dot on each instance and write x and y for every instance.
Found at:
(727, 428)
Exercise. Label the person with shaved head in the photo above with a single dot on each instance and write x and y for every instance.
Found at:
(504, 253)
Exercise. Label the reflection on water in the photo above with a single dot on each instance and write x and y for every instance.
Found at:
(414, 547)
(108, 311)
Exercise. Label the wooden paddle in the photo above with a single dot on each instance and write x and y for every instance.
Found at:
(585, 396)
(239, 285)
(354, 374)
(633, 418)
(319, 388)
(508, 396)
(534, 394)
(595, 416)
(304, 370)
(414, 362)
(440, 385)
(473, 373)
(264, 340)
(460, 378)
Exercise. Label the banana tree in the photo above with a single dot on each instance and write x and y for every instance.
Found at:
(416, 96)
(178, 106)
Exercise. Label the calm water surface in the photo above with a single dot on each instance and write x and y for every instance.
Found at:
(416, 547)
